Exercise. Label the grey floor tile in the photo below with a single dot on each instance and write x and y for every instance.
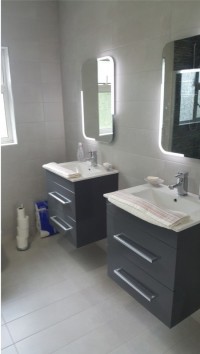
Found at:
(57, 299)
(9, 350)
(6, 339)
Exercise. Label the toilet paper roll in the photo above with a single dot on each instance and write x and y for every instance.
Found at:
(24, 233)
(22, 243)
(20, 212)
(23, 222)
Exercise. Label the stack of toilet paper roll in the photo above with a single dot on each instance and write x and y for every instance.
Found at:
(22, 229)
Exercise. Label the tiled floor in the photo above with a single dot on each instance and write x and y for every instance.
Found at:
(57, 299)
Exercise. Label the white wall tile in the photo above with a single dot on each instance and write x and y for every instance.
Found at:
(138, 33)
(49, 50)
(53, 111)
(179, 14)
(54, 130)
(29, 92)
(29, 112)
(22, 29)
(52, 93)
(48, 29)
(50, 72)
(24, 50)
(24, 72)
(30, 30)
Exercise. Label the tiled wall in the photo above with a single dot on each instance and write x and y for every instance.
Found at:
(134, 34)
(30, 30)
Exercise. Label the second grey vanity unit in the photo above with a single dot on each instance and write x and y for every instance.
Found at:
(159, 267)
(77, 208)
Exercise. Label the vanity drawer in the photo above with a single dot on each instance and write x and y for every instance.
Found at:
(168, 237)
(65, 226)
(61, 198)
(64, 203)
(62, 211)
(154, 296)
(59, 181)
(153, 256)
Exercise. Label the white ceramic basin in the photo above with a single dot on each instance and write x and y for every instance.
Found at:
(167, 199)
(83, 168)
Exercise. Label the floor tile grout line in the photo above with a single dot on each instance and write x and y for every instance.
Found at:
(38, 309)
(37, 292)
(92, 306)
(93, 330)
(56, 301)
(50, 327)
(46, 328)
(53, 302)
(84, 335)
(13, 342)
(179, 341)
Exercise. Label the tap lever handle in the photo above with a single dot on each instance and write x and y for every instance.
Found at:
(182, 174)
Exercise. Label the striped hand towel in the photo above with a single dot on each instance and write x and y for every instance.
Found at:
(62, 171)
(167, 218)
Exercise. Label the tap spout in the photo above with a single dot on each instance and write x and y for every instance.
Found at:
(93, 158)
(173, 186)
(181, 184)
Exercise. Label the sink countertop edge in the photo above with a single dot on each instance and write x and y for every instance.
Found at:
(140, 215)
(79, 179)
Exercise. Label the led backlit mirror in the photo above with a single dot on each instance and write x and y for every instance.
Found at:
(98, 99)
(180, 129)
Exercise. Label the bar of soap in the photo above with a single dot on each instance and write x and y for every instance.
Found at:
(152, 178)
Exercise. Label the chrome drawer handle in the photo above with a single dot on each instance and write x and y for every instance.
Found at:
(61, 223)
(134, 284)
(59, 197)
(149, 257)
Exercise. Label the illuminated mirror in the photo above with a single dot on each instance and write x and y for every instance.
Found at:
(98, 99)
(180, 111)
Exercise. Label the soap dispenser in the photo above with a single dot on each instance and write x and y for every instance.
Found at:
(80, 152)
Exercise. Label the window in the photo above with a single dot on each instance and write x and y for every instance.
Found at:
(7, 118)
(105, 95)
(188, 96)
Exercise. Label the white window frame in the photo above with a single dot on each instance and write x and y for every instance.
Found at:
(6, 89)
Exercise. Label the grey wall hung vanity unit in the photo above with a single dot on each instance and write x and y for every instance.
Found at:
(78, 208)
(159, 267)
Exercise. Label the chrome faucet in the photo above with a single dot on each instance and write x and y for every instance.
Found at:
(93, 158)
(181, 184)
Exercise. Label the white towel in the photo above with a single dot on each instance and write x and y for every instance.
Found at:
(163, 217)
(62, 171)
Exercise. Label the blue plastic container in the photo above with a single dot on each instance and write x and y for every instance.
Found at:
(42, 219)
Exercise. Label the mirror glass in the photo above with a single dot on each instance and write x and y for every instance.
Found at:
(98, 99)
(180, 101)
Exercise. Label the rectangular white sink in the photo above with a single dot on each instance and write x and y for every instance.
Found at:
(84, 170)
(165, 199)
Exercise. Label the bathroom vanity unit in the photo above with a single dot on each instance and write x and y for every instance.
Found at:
(77, 207)
(159, 267)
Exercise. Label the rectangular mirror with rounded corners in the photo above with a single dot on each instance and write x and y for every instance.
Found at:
(98, 99)
(180, 98)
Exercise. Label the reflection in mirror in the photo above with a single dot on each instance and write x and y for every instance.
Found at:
(180, 111)
(98, 99)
